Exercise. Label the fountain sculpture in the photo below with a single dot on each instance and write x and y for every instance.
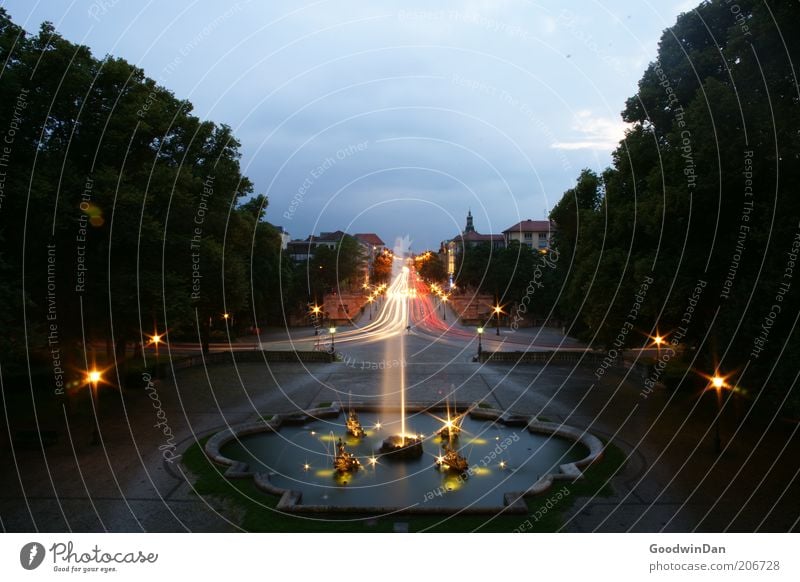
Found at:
(345, 462)
(451, 461)
(354, 427)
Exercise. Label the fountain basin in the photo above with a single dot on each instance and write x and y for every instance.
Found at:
(510, 457)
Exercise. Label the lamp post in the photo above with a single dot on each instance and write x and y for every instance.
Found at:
(332, 331)
(498, 309)
(156, 339)
(444, 307)
(93, 377)
(370, 299)
(658, 340)
(718, 384)
(480, 345)
(315, 314)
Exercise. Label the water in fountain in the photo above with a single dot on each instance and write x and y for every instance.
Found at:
(394, 378)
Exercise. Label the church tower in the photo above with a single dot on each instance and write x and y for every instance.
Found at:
(469, 227)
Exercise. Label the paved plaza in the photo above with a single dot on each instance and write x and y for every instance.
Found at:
(670, 482)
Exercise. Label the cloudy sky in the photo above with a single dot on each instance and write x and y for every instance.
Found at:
(393, 117)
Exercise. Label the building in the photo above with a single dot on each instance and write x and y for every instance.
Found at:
(372, 243)
(535, 234)
(303, 250)
(467, 239)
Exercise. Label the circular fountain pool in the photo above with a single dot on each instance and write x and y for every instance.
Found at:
(508, 458)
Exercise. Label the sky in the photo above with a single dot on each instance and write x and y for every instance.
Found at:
(393, 117)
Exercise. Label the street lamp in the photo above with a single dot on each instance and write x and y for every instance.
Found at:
(315, 311)
(370, 299)
(480, 346)
(155, 339)
(498, 309)
(93, 378)
(332, 331)
(444, 307)
(658, 339)
(718, 384)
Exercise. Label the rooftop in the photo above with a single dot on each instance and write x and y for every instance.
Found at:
(531, 226)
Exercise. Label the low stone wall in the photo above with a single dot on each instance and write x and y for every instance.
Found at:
(247, 356)
(548, 357)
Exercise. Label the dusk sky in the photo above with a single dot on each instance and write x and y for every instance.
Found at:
(391, 117)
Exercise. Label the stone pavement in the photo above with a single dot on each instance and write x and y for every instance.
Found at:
(672, 481)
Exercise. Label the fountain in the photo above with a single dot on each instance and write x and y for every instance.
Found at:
(403, 445)
(505, 456)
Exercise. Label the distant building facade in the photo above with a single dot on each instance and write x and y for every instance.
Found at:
(303, 250)
(534, 234)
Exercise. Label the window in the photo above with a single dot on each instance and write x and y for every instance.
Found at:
(542, 236)
(528, 235)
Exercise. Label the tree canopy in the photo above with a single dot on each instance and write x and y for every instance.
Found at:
(122, 212)
(700, 200)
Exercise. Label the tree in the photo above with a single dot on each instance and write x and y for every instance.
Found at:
(432, 268)
(131, 202)
(700, 193)
(382, 268)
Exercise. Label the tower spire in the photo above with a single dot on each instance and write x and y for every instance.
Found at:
(469, 227)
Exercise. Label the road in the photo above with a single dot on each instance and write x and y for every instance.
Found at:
(672, 481)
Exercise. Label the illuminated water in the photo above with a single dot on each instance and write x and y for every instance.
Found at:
(502, 459)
